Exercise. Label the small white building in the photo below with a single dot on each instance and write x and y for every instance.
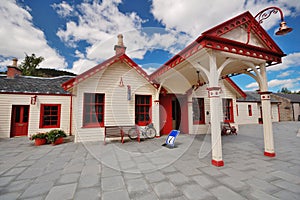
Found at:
(31, 104)
(249, 110)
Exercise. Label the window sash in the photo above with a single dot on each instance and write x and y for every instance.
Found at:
(198, 111)
(93, 110)
(50, 116)
(143, 110)
(228, 110)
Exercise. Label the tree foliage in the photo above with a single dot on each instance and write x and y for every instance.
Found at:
(29, 65)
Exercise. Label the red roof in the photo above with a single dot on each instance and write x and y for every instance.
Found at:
(119, 57)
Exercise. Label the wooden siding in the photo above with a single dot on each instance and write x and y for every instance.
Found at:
(7, 100)
(202, 92)
(118, 109)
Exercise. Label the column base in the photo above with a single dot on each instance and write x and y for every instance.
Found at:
(219, 163)
(269, 154)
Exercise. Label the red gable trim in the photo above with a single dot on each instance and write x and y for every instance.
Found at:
(119, 57)
(244, 19)
(236, 87)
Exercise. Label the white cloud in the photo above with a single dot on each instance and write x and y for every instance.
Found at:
(285, 74)
(195, 16)
(291, 84)
(20, 36)
(63, 9)
(291, 60)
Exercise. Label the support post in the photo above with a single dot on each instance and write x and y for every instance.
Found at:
(216, 143)
(267, 124)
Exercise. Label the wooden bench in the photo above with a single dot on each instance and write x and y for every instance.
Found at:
(116, 132)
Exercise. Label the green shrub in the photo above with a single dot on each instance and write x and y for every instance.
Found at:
(54, 134)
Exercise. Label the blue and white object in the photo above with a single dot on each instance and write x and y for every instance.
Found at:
(170, 141)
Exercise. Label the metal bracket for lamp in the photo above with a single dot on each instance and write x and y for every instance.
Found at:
(265, 14)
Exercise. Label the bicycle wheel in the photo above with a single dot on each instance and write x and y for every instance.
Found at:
(132, 133)
(150, 133)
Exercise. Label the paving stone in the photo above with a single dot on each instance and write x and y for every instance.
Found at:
(89, 181)
(50, 176)
(15, 171)
(287, 176)
(205, 181)
(212, 171)
(258, 194)
(37, 189)
(6, 180)
(112, 183)
(178, 178)
(62, 192)
(18, 185)
(137, 186)
(68, 178)
(107, 172)
(239, 175)
(156, 176)
(166, 190)
(233, 183)
(9, 196)
(284, 194)
(262, 185)
(224, 193)
(88, 194)
(195, 192)
(116, 195)
(287, 185)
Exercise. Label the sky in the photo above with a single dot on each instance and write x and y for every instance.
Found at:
(76, 35)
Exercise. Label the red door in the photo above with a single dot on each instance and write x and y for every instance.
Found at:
(165, 114)
(19, 120)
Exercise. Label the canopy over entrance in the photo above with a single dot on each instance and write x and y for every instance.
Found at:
(237, 46)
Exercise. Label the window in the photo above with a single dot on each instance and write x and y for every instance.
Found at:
(93, 110)
(237, 110)
(198, 111)
(228, 110)
(249, 110)
(142, 109)
(50, 116)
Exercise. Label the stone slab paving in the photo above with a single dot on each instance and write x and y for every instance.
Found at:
(146, 170)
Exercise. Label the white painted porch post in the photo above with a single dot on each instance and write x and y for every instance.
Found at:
(266, 112)
(215, 106)
(156, 117)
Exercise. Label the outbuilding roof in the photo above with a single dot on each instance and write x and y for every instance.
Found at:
(294, 98)
(29, 84)
(252, 96)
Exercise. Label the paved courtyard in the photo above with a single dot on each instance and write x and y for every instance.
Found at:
(148, 170)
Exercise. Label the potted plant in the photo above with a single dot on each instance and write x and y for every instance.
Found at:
(39, 138)
(56, 136)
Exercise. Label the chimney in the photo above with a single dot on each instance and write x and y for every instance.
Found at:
(120, 48)
(13, 70)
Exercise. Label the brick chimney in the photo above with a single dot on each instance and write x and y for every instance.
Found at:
(120, 48)
(13, 70)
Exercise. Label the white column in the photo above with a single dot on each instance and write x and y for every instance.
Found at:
(266, 112)
(267, 124)
(216, 143)
(156, 117)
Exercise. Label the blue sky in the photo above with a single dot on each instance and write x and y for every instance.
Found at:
(75, 35)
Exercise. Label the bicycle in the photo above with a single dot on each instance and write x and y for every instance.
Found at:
(148, 132)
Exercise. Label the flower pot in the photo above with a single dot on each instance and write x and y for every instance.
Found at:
(40, 141)
(58, 141)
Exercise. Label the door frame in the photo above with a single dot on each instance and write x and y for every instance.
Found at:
(24, 131)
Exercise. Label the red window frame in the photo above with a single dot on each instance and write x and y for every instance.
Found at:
(50, 115)
(198, 111)
(93, 110)
(249, 110)
(143, 107)
(228, 110)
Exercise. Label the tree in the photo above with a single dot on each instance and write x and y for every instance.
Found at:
(29, 65)
(285, 91)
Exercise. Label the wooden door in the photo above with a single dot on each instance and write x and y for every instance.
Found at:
(165, 114)
(19, 120)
